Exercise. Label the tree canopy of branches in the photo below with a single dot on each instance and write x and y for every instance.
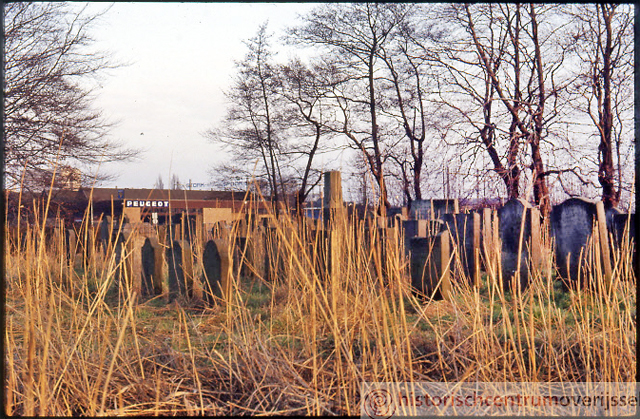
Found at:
(513, 94)
(274, 123)
(252, 125)
(603, 89)
(355, 35)
(49, 120)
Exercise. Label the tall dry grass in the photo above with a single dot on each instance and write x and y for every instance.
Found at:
(301, 343)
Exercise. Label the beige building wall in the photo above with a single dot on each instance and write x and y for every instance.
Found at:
(212, 215)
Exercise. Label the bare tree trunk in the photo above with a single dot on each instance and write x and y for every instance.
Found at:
(610, 196)
(540, 188)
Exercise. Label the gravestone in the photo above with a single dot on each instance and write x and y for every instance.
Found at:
(217, 270)
(431, 209)
(430, 264)
(152, 267)
(624, 233)
(71, 242)
(510, 220)
(623, 225)
(610, 214)
(118, 250)
(329, 252)
(572, 225)
(106, 232)
(273, 261)
(414, 228)
(176, 282)
(621, 234)
(465, 234)
(332, 201)
(489, 240)
(193, 287)
(420, 228)
(133, 262)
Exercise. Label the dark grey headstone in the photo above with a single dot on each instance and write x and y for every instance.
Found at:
(148, 266)
(177, 285)
(105, 234)
(610, 215)
(212, 271)
(414, 228)
(510, 222)
(620, 223)
(119, 246)
(422, 209)
(427, 267)
(461, 228)
(571, 227)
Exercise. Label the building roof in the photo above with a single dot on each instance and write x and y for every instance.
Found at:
(117, 194)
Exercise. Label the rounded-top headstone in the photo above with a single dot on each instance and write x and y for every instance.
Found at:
(571, 227)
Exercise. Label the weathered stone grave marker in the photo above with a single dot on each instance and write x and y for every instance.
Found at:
(431, 209)
(465, 234)
(176, 281)
(217, 270)
(623, 228)
(518, 255)
(334, 219)
(133, 260)
(624, 234)
(572, 225)
(332, 200)
(430, 264)
(71, 242)
(490, 239)
(153, 267)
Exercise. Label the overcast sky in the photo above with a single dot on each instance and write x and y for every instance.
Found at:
(181, 59)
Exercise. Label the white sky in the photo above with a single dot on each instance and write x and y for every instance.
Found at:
(181, 58)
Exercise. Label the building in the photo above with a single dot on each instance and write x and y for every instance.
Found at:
(138, 205)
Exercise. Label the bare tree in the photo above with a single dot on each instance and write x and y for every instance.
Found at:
(603, 43)
(411, 86)
(466, 86)
(49, 120)
(252, 128)
(304, 89)
(516, 64)
(175, 182)
(159, 183)
(353, 34)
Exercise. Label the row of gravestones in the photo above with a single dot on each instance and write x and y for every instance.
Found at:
(149, 254)
(145, 255)
(145, 261)
(430, 243)
(475, 237)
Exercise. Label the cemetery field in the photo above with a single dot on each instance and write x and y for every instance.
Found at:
(301, 317)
